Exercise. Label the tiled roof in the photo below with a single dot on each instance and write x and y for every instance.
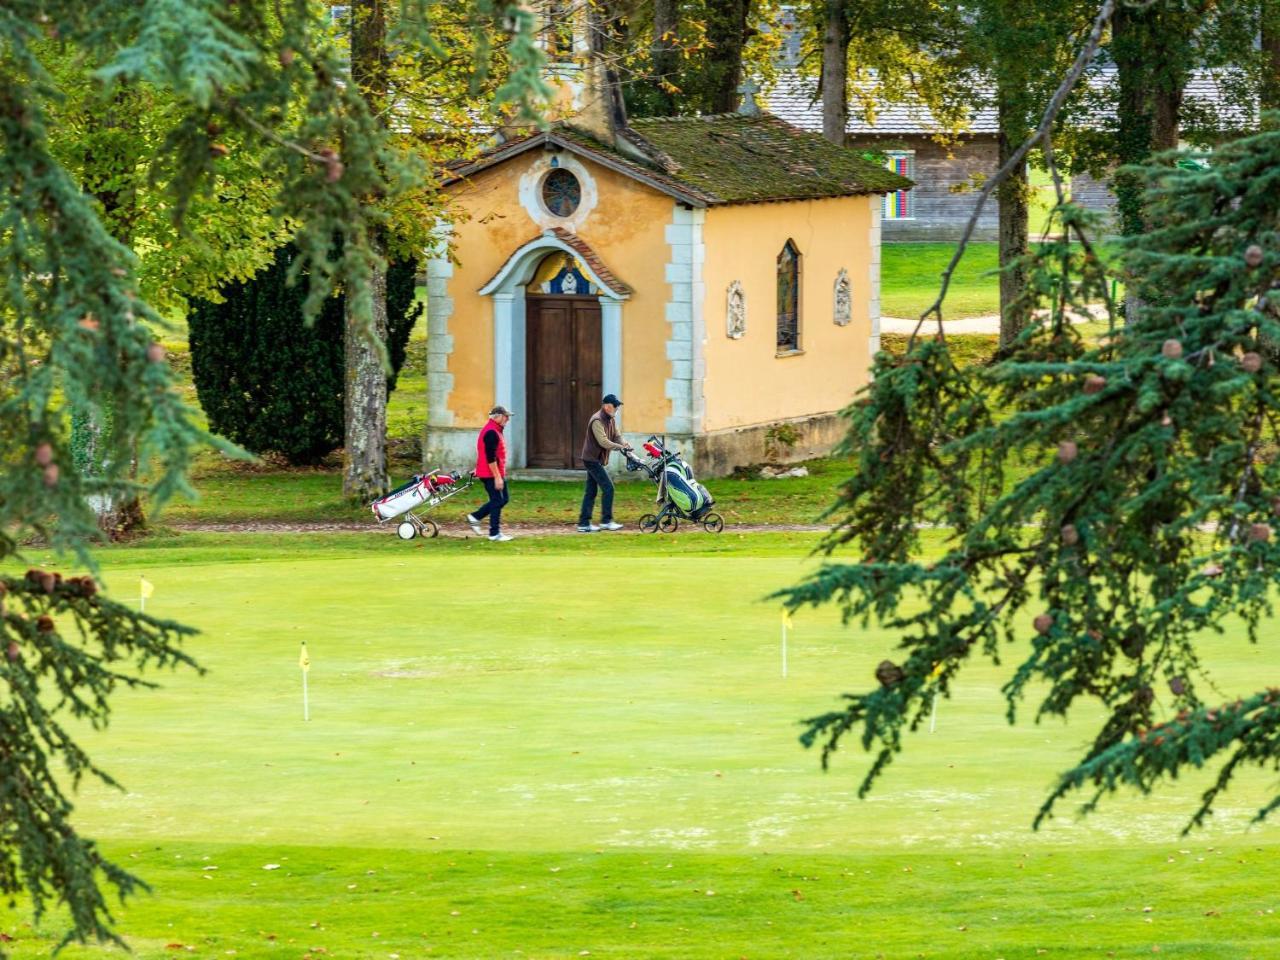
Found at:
(727, 158)
(591, 259)
(794, 99)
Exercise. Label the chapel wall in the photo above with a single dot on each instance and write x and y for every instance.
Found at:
(625, 229)
(747, 383)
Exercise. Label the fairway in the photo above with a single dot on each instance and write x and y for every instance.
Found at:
(570, 750)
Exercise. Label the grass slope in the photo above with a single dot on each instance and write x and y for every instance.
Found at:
(584, 744)
(910, 275)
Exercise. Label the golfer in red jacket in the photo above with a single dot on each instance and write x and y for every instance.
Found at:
(491, 468)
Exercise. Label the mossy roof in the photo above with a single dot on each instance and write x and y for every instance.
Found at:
(722, 159)
(735, 158)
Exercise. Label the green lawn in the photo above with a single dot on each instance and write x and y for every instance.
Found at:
(604, 763)
(236, 493)
(910, 274)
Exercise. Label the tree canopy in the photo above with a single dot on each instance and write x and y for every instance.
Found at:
(1100, 505)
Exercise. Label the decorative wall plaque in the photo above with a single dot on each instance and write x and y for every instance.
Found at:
(843, 298)
(736, 312)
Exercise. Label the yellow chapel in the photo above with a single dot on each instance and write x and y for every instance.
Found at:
(720, 274)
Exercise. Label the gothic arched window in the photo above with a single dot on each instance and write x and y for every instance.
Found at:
(788, 298)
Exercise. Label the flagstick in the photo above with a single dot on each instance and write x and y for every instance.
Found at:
(306, 706)
(784, 650)
(142, 602)
(933, 715)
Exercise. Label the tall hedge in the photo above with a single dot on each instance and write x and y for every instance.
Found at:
(269, 382)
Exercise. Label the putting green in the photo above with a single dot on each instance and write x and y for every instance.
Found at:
(621, 708)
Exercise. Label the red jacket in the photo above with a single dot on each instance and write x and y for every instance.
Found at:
(482, 461)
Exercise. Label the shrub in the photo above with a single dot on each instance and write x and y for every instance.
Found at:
(269, 382)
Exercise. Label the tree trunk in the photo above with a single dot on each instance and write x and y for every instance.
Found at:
(364, 473)
(727, 34)
(1135, 126)
(835, 72)
(1133, 113)
(1270, 33)
(1012, 195)
(665, 54)
(1166, 102)
(1151, 48)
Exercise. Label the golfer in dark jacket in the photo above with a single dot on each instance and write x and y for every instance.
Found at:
(602, 437)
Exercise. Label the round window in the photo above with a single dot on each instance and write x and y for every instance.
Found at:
(561, 192)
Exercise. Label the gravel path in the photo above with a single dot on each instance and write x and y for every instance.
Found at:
(989, 323)
(461, 532)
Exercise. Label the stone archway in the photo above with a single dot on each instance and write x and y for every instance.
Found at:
(507, 292)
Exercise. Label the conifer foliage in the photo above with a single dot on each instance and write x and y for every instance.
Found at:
(268, 380)
(76, 336)
(1103, 505)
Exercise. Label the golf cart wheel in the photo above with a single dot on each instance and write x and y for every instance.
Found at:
(405, 530)
(648, 523)
(430, 528)
(713, 523)
(669, 523)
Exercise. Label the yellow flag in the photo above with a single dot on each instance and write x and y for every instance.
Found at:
(304, 661)
(786, 618)
(937, 670)
(146, 588)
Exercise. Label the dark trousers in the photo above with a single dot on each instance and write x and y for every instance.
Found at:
(493, 509)
(597, 479)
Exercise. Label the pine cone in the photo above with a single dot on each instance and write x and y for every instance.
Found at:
(1067, 451)
(1171, 350)
(44, 455)
(889, 674)
(1253, 255)
(1178, 686)
(44, 623)
(1043, 623)
(12, 652)
(1260, 532)
(1070, 535)
(1094, 383)
(1251, 362)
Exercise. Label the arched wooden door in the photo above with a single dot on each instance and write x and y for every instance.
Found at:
(564, 361)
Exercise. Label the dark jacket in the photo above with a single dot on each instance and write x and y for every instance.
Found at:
(596, 446)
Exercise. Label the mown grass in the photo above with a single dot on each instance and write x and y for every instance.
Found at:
(378, 904)
(234, 492)
(586, 744)
(910, 274)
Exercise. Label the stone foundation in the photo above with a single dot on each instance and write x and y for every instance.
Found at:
(718, 453)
